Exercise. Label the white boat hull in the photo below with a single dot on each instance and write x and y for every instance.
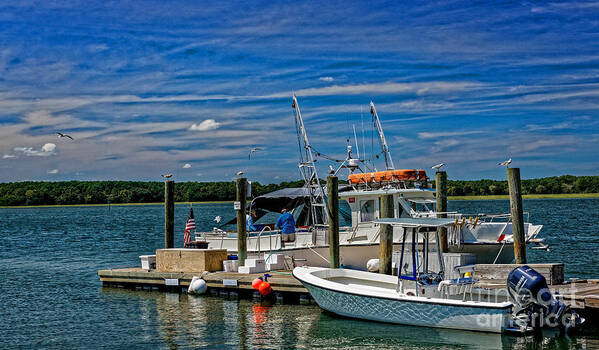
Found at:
(369, 302)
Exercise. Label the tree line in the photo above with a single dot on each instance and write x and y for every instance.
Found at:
(546, 185)
(102, 192)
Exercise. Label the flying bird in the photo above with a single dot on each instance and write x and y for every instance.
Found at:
(438, 166)
(254, 150)
(167, 176)
(506, 163)
(61, 135)
(239, 173)
(217, 219)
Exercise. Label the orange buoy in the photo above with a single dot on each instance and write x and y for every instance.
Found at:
(265, 288)
(256, 283)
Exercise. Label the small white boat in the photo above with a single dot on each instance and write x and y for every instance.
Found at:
(372, 296)
(422, 297)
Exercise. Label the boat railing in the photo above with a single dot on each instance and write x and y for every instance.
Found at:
(258, 246)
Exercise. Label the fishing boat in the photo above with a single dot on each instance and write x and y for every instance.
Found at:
(420, 296)
(487, 237)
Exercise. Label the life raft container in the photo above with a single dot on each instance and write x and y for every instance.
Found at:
(388, 175)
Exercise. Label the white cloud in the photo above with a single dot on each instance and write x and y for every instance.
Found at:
(208, 124)
(186, 166)
(48, 147)
(327, 79)
(9, 156)
(52, 171)
(46, 150)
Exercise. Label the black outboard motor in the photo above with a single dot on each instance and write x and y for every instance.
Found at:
(536, 307)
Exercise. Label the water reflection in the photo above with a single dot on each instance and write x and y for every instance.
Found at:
(180, 320)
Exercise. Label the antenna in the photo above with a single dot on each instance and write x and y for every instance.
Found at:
(356, 139)
(388, 161)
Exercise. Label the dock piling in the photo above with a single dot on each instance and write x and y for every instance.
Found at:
(240, 197)
(441, 184)
(333, 210)
(515, 189)
(386, 235)
(169, 214)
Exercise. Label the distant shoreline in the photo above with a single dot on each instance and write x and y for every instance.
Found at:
(526, 196)
(104, 205)
(451, 198)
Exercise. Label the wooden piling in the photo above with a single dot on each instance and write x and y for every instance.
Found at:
(240, 196)
(515, 189)
(169, 214)
(441, 184)
(386, 235)
(333, 213)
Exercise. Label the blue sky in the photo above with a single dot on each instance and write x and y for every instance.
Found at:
(147, 87)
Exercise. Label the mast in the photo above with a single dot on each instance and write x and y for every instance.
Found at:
(388, 161)
(307, 168)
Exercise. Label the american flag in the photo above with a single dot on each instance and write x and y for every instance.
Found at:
(190, 226)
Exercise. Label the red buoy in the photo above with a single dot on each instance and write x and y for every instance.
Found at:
(265, 288)
(256, 283)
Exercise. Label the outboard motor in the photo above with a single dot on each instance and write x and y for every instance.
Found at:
(536, 307)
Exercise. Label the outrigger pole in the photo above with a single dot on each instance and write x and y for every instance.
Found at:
(307, 168)
(388, 161)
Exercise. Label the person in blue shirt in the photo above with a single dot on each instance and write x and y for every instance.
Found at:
(286, 223)
(249, 222)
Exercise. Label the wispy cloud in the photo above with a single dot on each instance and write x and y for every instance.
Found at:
(186, 166)
(443, 134)
(9, 156)
(327, 79)
(52, 171)
(45, 151)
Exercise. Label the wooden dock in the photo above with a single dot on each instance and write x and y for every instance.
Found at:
(282, 282)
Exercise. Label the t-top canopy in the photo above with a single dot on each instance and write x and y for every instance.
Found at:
(416, 222)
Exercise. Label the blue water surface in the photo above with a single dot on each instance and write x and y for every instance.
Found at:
(51, 296)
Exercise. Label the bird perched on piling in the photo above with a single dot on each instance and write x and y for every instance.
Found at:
(506, 163)
(438, 166)
(61, 135)
(167, 176)
(331, 170)
(254, 150)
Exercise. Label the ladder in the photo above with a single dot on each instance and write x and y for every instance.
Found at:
(307, 168)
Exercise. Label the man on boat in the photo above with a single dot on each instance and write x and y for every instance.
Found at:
(287, 225)
(249, 221)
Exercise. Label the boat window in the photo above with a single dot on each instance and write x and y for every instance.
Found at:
(367, 210)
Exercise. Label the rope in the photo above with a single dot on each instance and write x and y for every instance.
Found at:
(498, 254)
(325, 259)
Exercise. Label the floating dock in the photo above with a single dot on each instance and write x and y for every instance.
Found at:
(282, 282)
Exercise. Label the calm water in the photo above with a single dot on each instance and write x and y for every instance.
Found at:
(50, 294)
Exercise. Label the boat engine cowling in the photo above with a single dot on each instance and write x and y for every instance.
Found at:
(536, 306)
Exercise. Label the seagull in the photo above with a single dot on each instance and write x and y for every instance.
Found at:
(61, 135)
(217, 219)
(438, 166)
(506, 163)
(331, 170)
(239, 173)
(254, 150)
(167, 176)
